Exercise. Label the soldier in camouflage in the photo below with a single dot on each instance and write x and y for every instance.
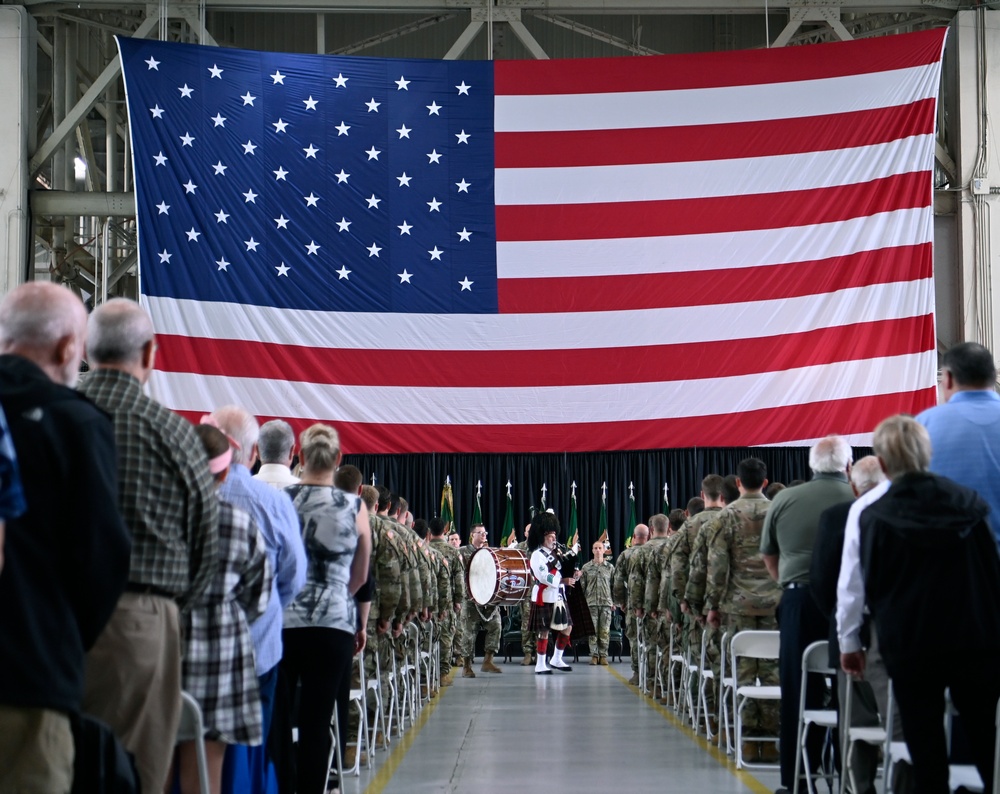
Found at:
(674, 580)
(473, 615)
(739, 587)
(658, 561)
(619, 592)
(659, 526)
(449, 621)
(442, 590)
(595, 579)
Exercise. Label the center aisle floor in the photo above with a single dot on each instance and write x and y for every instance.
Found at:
(587, 730)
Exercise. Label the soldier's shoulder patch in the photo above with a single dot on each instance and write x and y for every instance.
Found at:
(388, 534)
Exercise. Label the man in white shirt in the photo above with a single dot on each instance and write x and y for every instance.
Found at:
(275, 447)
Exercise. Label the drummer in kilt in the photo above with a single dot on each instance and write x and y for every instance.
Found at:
(549, 611)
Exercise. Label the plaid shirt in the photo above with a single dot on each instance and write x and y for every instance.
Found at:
(166, 492)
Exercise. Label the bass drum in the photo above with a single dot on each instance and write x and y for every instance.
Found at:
(499, 577)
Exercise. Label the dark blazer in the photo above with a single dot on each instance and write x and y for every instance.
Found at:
(825, 570)
(67, 556)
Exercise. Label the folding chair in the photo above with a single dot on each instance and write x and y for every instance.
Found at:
(706, 678)
(359, 700)
(425, 670)
(335, 754)
(374, 689)
(192, 729)
(815, 661)
(727, 687)
(640, 642)
(692, 684)
(675, 661)
(878, 735)
(752, 645)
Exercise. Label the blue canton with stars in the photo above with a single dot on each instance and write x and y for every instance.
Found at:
(313, 182)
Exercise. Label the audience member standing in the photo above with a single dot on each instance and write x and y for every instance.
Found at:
(276, 447)
(67, 553)
(167, 498)
(278, 525)
(787, 544)
(869, 696)
(926, 529)
(619, 592)
(218, 669)
(965, 429)
(322, 621)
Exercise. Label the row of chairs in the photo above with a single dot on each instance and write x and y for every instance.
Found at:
(411, 683)
(815, 661)
(688, 680)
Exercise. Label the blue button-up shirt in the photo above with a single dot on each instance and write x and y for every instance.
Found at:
(965, 444)
(279, 527)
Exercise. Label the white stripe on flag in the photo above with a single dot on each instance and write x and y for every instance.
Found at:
(555, 404)
(743, 321)
(732, 104)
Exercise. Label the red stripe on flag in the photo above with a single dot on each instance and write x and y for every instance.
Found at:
(709, 287)
(716, 69)
(713, 141)
(712, 215)
(751, 428)
(527, 368)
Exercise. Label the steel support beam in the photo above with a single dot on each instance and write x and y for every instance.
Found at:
(66, 126)
(594, 33)
(463, 41)
(61, 203)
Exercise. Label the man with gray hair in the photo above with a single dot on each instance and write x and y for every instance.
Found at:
(167, 498)
(275, 447)
(786, 544)
(279, 527)
(68, 551)
(869, 696)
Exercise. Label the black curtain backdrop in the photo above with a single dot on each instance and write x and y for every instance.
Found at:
(420, 478)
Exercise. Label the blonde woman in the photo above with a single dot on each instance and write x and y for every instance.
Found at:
(320, 625)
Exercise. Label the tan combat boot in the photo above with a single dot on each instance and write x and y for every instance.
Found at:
(488, 666)
(527, 661)
(447, 679)
(634, 680)
(467, 671)
(593, 661)
(603, 661)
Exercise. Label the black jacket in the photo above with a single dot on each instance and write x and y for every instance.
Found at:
(825, 570)
(931, 570)
(67, 557)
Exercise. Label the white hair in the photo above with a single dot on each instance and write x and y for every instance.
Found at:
(830, 454)
(117, 331)
(275, 441)
(866, 474)
(241, 426)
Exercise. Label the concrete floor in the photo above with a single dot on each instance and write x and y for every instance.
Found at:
(582, 731)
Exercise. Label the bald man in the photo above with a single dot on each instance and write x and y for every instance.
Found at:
(619, 592)
(68, 554)
(167, 498)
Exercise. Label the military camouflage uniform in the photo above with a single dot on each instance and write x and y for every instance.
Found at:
(596, 583)
(738, 585)
(657, 599)
(474, 615)
(619, 592)
(689, 537)
(528, 637)
(385, 557)
(637, 579)
(449, 625)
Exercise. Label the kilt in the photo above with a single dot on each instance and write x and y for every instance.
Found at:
(540, 618)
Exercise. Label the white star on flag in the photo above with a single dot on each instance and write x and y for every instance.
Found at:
(342, 128)
(343, 273)
(251, 244)
(222, 217)
(283, 269)
(164, 256)
(434, 205)
(404, 228)
(463, 88)
(249, 148)
(312, 248)
(342, 176)
(192, 235)
(373, 202)
(311, 200)
(186, 91)
(463, 186)
(433, 156)
(404, 277)
(215, 71)
(219, 168)
(404, 180)
(160, 158)
(152, 63)
(190, 187)
(163, 207)
(187, 139)
(219, 119)
(402, 83)
(435, 253)
(433, 108)
(341, 81)
(466, 284)
(310, 103)
(373, 250)
(373, 153)
(463, 136)
(281, 173)
(310, 151)
(277, 77)
(247, 99)
(222, 263)
(282, 222)
(250, 197)
(157, 112)
(372, 105)
(343, 224)
(464, 235)
(404, 131)
(279, 125)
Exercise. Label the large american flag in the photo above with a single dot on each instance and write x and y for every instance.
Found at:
(726, 249)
